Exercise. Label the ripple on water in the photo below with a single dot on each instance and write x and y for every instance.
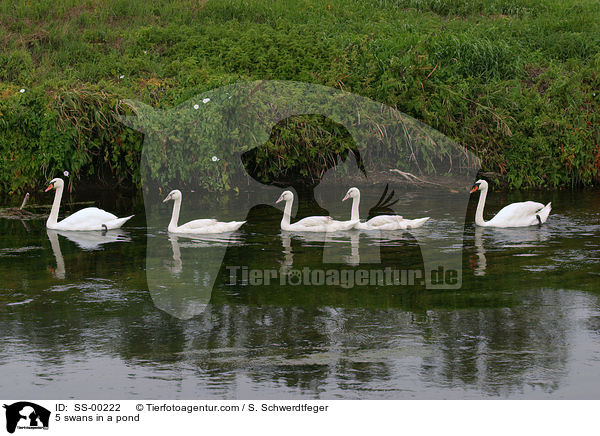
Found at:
(19, 303)
(11, 252)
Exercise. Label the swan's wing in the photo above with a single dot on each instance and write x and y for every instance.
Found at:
(90, 217)
(221, 227)
(207, 226)
(117, 223)
(523, 213)
(196, 224)
(383, 220)
(342, 225)
(415, 223)
(313, 221)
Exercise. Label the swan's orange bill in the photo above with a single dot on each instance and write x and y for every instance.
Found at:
(49, 187)
(475, 188)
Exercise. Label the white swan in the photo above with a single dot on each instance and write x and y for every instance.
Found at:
(90, 218)
(523, 214)
(201, 226)
(380, 222)
(311, 223)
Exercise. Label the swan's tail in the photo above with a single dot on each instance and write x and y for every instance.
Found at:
(413, 224)
(117, 223)
(543, 213)
(236, 225)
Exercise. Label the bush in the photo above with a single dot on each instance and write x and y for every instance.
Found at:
(514, 81)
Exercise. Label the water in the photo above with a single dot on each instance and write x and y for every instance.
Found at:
(78, 321)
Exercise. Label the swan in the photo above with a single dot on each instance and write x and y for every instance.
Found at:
(380, 222)
(311, 223)
(201, 226)
(523, 214)
(90, 218)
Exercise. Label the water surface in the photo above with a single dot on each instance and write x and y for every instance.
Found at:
(77, 319)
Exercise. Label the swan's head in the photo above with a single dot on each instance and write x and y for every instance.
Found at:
(54, 184)
(480, 185)
(352, 193)
(175, 194)
(286, 196)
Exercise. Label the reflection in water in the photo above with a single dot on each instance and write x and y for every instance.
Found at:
(479, 269)
(527, 238)
(288, 256)
(351, 247)
(92, 240)
(518, 237)
(281, 352)
(59, 272)
(187, 290)
(478, 349)
(335, 247)
(197, 241)
(177, 265)
(515, 331)
(354, 258)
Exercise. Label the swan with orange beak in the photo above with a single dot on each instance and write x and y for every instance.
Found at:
(522, 214)
(90, 218)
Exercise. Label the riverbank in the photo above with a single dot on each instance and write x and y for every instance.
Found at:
(515, 82)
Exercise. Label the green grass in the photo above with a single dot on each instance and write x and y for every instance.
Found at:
(515, 81)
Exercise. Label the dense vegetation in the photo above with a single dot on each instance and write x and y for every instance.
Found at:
(515, 81)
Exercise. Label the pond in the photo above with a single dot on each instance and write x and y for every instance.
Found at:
(80, 319)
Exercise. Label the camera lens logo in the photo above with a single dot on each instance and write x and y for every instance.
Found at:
(26, 415)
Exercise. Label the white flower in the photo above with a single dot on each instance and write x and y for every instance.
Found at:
(122, 76)
(66, 174)
(196, 106)
(215, 159)
(22, 90)
(206, 100)
(145, 52)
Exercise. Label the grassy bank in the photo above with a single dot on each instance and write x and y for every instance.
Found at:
(515, 81)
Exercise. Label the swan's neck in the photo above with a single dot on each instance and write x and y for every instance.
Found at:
(175, 216)
(355, 215)
(287, 213)
(53, 218)
(479, 212)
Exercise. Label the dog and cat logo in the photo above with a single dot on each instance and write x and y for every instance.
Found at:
(26, 415)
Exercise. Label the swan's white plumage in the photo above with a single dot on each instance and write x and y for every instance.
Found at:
(199, 226)
(523, 214)
(380, 222)
(391, 222)
(90, 218)
(311, 223)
